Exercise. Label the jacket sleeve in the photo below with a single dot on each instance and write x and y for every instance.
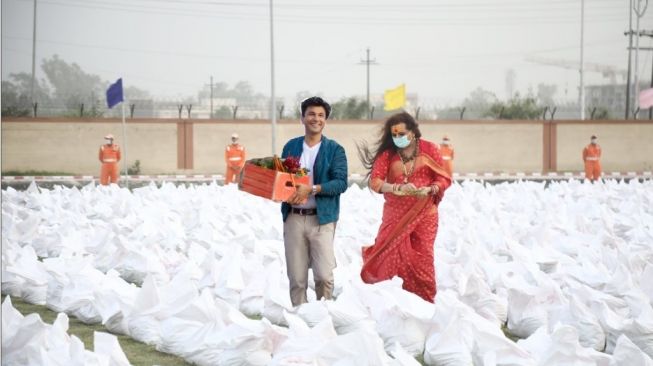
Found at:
(100, 154)
(118, 154)
(337, 174)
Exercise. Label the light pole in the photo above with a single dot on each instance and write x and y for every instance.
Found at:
(630, 49)
(273, 102)
(33, 56)
(582, 47)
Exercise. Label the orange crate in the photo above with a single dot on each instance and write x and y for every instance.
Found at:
(269, 183)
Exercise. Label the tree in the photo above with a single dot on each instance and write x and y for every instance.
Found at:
(72, 86)
(479, 100)
(14, 103)
(16, 98)
(133, 93)
(545, 94)
(515, 108)
(349, 108)
(223, 112)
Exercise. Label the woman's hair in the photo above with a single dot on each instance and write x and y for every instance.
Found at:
(368, 156)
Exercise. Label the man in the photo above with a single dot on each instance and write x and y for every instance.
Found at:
(311, 213)
(109, 157)
(234, 158)
(591, 158)
(446, 150)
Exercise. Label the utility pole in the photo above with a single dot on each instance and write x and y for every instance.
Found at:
(367, 62)
(630, 48)
(645, 33)
(640, 13)
(33, 56)
(582, 49)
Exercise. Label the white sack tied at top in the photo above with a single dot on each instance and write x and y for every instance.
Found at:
(24, 275)
(401, 316)
(459, 336)
(209, 331)
(627, 353)
(27, 340)
(561, 347)
(322, 345)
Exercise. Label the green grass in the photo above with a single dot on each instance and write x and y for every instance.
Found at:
(509, 335)
(31, 173)
(137, 353)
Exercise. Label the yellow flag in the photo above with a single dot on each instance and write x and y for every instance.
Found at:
(395, 98)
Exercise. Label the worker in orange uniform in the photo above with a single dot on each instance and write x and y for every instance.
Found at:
(446, 150)
(234, 157)
(109, 157)
(592, 159)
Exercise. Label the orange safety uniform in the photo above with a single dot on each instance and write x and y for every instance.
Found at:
(447, 158)
(592, 159)
(234, 157)
(109, 157)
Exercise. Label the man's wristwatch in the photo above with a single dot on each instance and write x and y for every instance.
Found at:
(314, 190)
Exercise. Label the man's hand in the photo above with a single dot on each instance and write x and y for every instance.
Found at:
(300, 195)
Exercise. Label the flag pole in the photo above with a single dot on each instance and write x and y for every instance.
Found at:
(124, 144)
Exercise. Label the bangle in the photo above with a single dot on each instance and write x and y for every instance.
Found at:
(435, 189)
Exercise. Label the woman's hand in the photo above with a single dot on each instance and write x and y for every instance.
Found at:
(407, 187)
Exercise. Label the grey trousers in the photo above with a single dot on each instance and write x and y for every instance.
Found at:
(309, 244)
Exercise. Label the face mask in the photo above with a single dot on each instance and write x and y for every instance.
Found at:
(593, 141)
(108, 142)
(401, 141)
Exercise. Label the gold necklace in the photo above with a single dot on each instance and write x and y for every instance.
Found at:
(413, 157)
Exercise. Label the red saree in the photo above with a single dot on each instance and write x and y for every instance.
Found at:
(404, 243)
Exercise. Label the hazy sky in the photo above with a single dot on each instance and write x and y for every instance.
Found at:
(441, 49)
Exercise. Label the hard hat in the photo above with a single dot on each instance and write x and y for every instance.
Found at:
(109, 136)
(234, 135)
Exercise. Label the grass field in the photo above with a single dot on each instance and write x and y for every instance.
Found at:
(139, 354)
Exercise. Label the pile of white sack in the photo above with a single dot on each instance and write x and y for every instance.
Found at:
(27, 340)
(199, 271)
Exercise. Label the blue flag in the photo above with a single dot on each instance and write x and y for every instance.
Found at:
(114, 93)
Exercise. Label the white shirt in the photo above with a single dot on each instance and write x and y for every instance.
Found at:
(307, 160)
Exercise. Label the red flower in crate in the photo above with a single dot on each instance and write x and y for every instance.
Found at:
(293, 166)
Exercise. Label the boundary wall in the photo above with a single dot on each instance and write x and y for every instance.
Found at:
(196, 147)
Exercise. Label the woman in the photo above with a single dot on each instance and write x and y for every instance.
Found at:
(409, 173)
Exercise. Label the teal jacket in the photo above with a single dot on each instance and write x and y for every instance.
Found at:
(329, 171)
